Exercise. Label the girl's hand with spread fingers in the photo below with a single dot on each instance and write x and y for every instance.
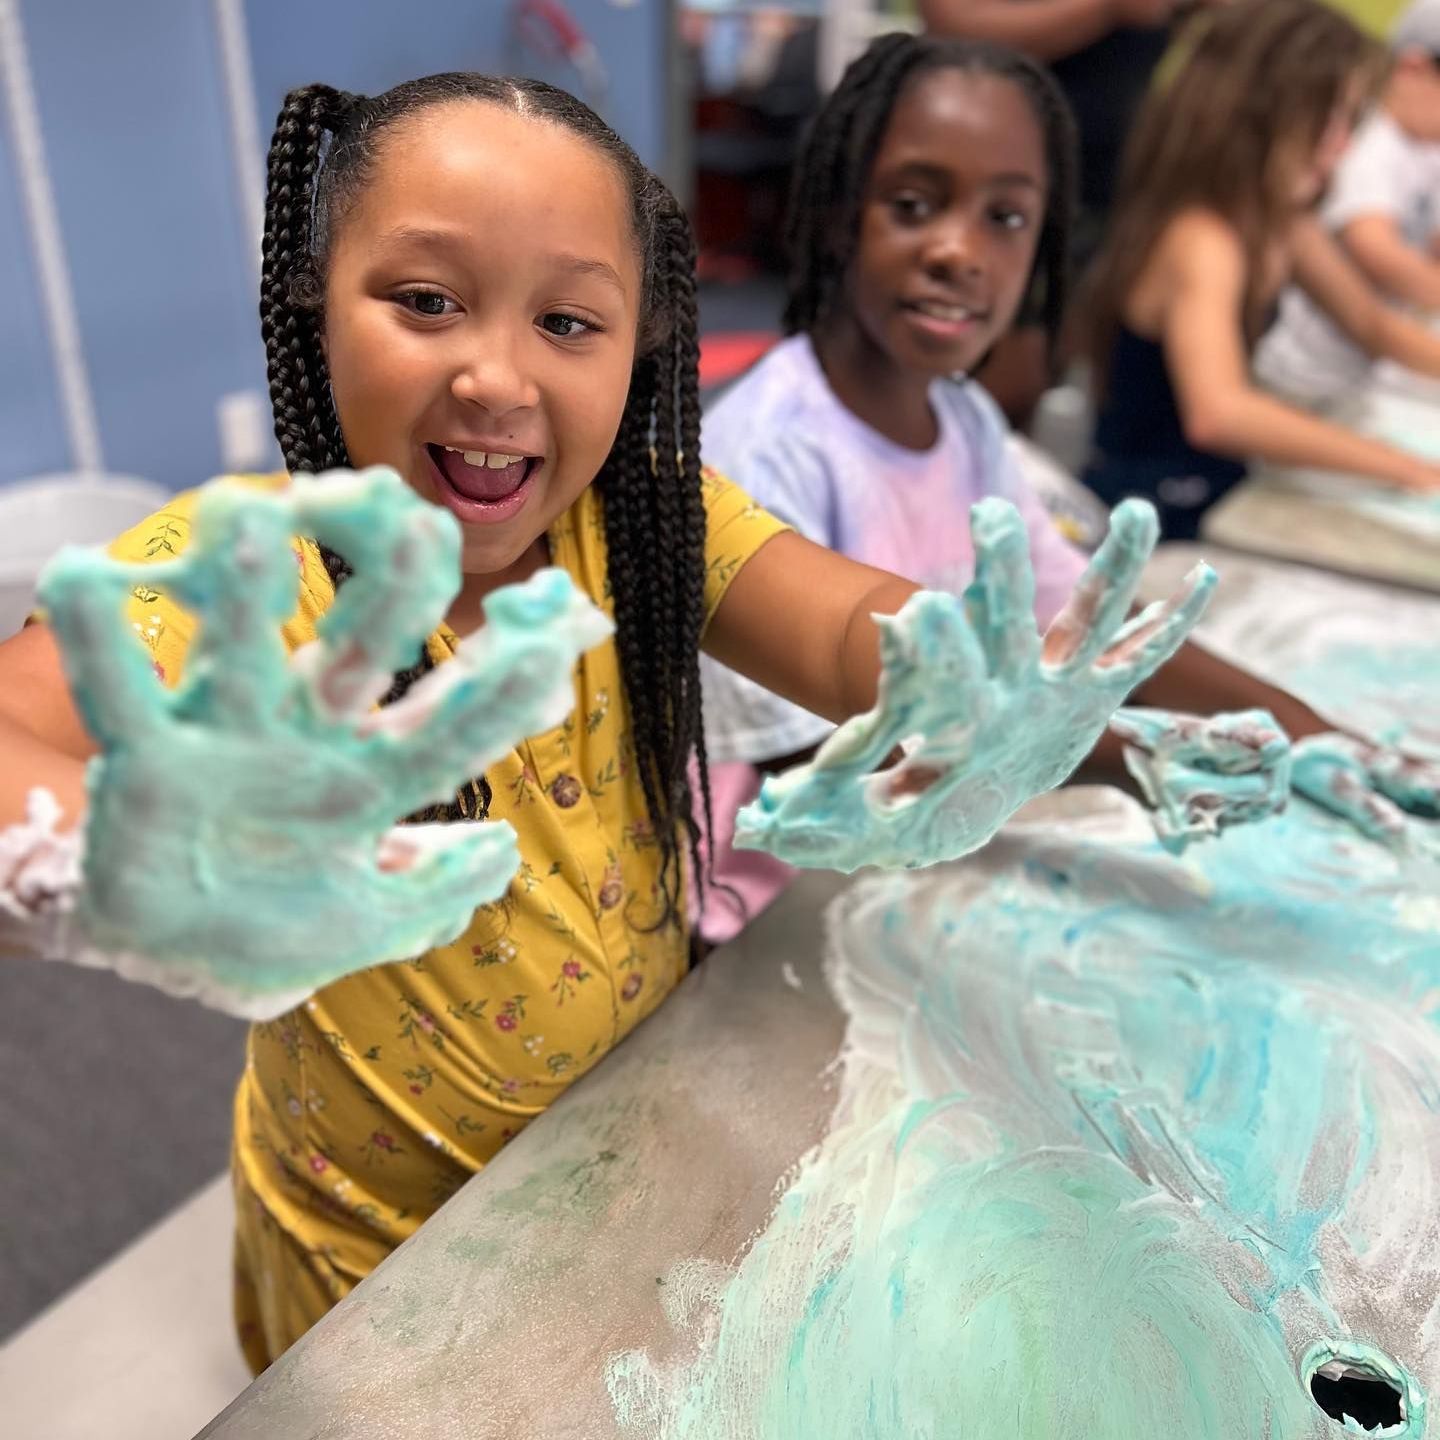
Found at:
(240, 842)
(987, 712)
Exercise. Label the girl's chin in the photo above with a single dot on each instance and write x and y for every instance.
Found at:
(512, 559)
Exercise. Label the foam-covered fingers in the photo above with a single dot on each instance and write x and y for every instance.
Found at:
(1231, 743)
(1102, 599)
(439, 874)
(404, 556)
(1000, 601)
(1331, 771)
(510, 679)
(241, 580)
(424, 890)
(1153, 636)
(932, 668)
(112, 676)
(1412, 783)
(1155, 730)
(929, 649)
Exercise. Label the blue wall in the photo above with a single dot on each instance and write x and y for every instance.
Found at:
(132, 106)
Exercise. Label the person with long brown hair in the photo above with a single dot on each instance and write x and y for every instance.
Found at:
(1216, 215)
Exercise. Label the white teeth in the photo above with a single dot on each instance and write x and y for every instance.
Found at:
(485, 460)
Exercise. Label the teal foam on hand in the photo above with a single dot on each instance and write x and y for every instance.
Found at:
(241, 842)
(1376, 788)
(1203, 775)
(989, 715)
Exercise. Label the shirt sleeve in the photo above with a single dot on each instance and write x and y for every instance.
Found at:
(1057, 564)
(735, 528)
(1371, 179)
(163, 626)
(743, 720)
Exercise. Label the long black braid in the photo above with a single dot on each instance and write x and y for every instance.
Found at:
(324, 147)
(822, 225)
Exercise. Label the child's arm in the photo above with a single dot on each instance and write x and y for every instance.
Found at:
(1200, 683)
(1391, 263)
(42, 740)
(1324, 272)
(796, 619)
(799, 619)
(1045, 29)
(1221, 410)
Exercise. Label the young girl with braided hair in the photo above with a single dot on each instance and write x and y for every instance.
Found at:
(933, 197)
(475, 282)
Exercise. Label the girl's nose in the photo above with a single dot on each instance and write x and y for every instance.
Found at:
(954, 248)
(493, 376)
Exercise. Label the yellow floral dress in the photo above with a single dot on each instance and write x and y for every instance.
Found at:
(366, 1108)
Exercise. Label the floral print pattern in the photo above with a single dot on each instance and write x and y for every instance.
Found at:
(366, 1108)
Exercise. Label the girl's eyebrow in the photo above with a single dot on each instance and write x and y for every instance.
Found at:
(585, 265)
(941, 175)
(423, 237)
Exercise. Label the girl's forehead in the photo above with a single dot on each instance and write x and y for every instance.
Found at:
(960, 119)
(468, 159)
(472, 140)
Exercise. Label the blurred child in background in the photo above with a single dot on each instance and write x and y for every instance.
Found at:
(1216, 216)
(935, 192)
(1382, 209)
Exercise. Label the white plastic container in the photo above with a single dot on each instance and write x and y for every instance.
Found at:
(39, 515)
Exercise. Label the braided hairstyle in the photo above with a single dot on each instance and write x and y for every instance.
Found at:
(822, 227)
(323, 151)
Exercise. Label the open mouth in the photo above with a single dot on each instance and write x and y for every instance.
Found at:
(483, 486)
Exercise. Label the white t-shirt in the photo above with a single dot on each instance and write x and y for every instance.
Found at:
(1384, 172)
(784, 437)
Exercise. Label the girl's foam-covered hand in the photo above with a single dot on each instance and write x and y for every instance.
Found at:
(1202, 775)
(1376, 788)
(240, 844)
(988, 714)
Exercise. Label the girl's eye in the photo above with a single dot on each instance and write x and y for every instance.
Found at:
(1008, 219)
(911, 208)
(566, 327)
(429, 303)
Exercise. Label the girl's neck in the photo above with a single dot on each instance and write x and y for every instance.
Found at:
(466, 613)
(867, 382)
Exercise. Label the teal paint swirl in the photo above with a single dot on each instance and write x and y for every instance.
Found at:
(1122, 1141)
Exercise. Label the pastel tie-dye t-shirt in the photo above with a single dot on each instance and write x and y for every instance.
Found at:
(785, 438)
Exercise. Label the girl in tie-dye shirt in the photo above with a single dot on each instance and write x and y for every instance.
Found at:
(932, 199)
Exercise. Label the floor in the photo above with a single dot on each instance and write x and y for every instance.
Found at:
(143, 1349)
(114, 1106)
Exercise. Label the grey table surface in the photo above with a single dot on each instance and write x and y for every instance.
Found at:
(499, 1316)
(1265, 517)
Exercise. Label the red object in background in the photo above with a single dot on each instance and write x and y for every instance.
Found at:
(551, 31)
(724, 356)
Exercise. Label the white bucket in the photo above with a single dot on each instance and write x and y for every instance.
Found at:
(40, 515)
